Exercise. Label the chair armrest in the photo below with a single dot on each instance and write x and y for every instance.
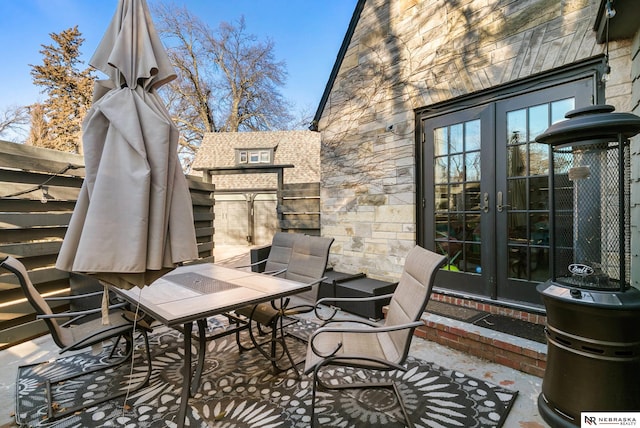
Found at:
(89, 340)
(369, 330)
(73, 296)
(377, 329)
(79, 314)
(345, 299)
(352, 321)
(251, 264)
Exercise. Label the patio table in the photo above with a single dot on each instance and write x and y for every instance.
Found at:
(196, 292)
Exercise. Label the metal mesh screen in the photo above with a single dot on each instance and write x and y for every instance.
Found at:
(589, 214)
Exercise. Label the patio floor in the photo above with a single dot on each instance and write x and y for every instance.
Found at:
(524, 413)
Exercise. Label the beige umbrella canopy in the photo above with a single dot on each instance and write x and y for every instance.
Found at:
(133, 221)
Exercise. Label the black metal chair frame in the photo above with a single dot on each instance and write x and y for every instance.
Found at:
(123, 331)
(407, 304)
(277, 316)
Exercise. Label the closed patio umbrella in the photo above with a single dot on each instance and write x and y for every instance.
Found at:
(133, 221)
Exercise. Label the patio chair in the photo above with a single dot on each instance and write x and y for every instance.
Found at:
(364, 344)
(279, 254)
(307, 264)
(74, 335)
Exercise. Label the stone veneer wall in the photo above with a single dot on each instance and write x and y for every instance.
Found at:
(408, 54)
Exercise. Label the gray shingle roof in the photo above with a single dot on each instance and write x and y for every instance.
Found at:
(299, 148)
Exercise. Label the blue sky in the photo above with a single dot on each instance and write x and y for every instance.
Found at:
(307, 35)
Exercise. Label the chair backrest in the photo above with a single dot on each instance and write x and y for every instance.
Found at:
(412, 295)
(308, 262)
(309, 258)
(280, 252)
(61, 337)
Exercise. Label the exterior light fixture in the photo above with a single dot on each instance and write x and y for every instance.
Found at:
(609, 10)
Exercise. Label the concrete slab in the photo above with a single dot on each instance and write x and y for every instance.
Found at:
(524, 413)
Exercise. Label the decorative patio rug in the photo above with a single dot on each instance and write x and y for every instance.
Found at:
(240, 390)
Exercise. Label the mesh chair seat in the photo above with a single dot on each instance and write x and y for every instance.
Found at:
(374, 345)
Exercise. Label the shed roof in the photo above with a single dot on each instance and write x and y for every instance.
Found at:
(299, 148)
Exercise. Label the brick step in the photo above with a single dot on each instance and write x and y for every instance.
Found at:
(511, 351)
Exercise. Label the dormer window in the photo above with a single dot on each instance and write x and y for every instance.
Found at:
(254, 156)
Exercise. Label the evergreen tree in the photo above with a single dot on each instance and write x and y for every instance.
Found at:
(69, 91)
(38, 131)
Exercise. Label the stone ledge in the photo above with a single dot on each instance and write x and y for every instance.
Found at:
(490, 308)
(511, 351)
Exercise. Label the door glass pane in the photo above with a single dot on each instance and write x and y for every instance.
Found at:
(472, 227)
(456, 168)
(440, 142)
(456, 198)
(456, 138)
(516, 126)
(517, 193)
(538, 120)
(517, 227)
(539, 229)
(440, 170)
(441, 197)
(472, 135)
(457, 175)
(539, 193)
(472, 261)
(472, 161)
(538, 159)
(517, 262)
(516, 166)
(527, 173)
(472, 197)
(560, 108)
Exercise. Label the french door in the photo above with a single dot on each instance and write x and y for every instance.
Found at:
(485, 191)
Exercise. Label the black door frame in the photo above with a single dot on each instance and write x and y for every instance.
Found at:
(592, 68)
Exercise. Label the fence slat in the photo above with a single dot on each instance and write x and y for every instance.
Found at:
(33, 231)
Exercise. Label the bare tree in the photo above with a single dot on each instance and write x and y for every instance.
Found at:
(227, 80)
(13, 119)
(249, 80)
(69, 90)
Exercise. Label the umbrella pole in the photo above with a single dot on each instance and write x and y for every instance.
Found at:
(186, 372)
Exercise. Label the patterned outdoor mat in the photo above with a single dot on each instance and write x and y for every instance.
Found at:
(240, 390)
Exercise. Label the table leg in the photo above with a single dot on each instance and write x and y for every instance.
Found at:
(202, 342)
(186, 375)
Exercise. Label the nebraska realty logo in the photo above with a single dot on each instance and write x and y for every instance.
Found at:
(610, 419)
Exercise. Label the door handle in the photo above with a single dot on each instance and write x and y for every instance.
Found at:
(485, 202)
(500, 207)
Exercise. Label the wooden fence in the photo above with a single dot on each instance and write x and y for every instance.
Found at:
(38, 190)
(301, 208)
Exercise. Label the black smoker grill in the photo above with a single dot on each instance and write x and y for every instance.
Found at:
(593, 314)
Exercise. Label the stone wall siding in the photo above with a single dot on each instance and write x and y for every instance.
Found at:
(409, 54)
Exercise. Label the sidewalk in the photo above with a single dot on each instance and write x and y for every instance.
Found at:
(524, 413)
